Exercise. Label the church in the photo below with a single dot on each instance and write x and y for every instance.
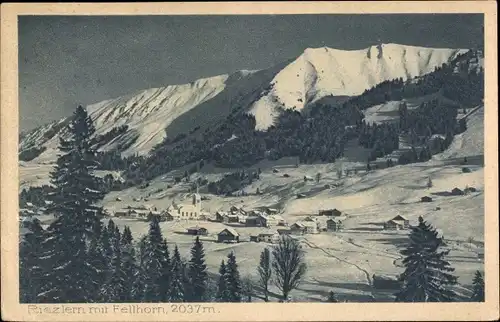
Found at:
(186, 211)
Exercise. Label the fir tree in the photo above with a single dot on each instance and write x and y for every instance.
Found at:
(429, 183)
(116, 287)
(222, 292)
(332, 297)
(265, 272)
(232, 277)
(197, 273)
(30, 269)
(153, 263)
(129, 265)
(98, 260)
(176, 293)
(478, 288)
(166, 272)
(427, 275)
(76, 192)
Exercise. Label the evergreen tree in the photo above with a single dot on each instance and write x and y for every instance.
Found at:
(30, 269)
(176, 293)
(76, 192)
(478, 288)
(116, 287)
(197, 273)
(222, 291)
(332, 297)
(429, 183)
(140, 279)
(166, 275)
(129, 265)
(265, 272)
(98, 260)
(153, 263)
(232, 277)
(427, 275)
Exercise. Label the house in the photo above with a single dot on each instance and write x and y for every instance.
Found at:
(297, 228)
(403, 220)
(426, 199)
(469, 189)
(271, 211)
(300, 195)
(304, 227)
(269, 237)
(228, 235)
(330, 213)
(457, 192)
(284, 231)
(121, 213)
(334, 224)
(231, 218)
(197, 231)
(118, 199)
(253, 221)
(397, 223)
(219, 216)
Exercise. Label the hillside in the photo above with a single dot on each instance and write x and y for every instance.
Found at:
(176, 110)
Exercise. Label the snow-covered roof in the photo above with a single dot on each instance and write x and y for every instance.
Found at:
(230, 230)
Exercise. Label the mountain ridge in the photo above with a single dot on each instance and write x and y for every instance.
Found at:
(152, 114)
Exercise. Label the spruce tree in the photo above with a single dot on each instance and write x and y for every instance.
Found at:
(222, 292)
(233, 281)
(332, 297)
(478, 288)
(30, 269)
(165, 277)
(129, 265)
(116, 287)
(427, 275)
(76, 191)
(140, 278)
(265, 272)
(176, 292)
(98, 260)
(197, 273)
(153, 263)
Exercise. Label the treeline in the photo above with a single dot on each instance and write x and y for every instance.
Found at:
(457, 81)
(103, 139)
(233, 182)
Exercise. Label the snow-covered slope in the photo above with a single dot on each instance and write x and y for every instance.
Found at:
(321, 72)
(155, 113)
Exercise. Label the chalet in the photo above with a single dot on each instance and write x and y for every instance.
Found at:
(29, 205)
(121, 213)
(271, 211)
(304, 227)
(269, 237)
(219, 216)
(284, 231)
(397, 223)
(297, 228)
(231, 218)
(228, 235)
(253, 221)
(300, 195)
(308, 178)
(469, 189)
(118, 199)
(330, 213)
(457, 192)
(269, 221)
(275, 171)
(334, 224)
(426, 199)
(197, 231)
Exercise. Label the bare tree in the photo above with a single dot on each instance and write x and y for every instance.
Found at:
(247, 288)
(265, 272)
(288, 264)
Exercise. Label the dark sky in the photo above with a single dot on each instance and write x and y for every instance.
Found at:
(70, 60)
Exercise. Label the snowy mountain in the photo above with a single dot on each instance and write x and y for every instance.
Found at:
(152, 114)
